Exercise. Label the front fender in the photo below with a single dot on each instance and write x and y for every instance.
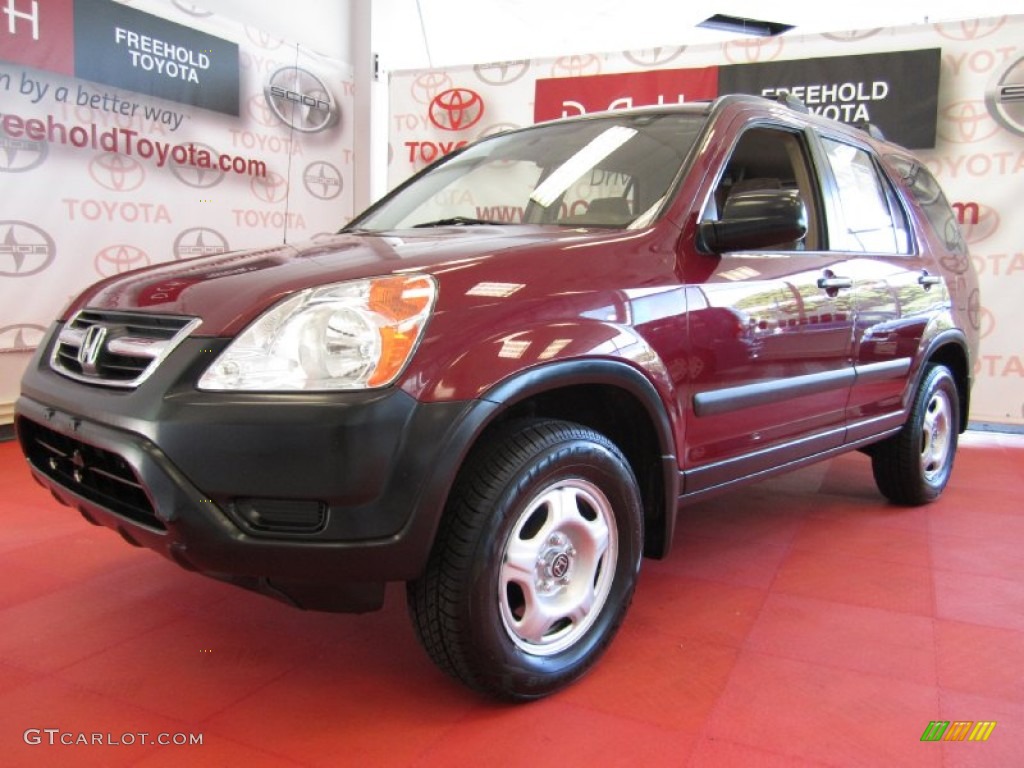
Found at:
(472, 371)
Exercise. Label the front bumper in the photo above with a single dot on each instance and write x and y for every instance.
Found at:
(316, 498)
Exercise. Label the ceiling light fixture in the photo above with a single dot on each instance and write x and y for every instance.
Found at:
(742, 26)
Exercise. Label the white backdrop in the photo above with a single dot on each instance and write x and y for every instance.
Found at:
(70, 215)
(978, 159)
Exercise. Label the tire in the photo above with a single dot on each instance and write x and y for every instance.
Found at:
(535, 561)
(913, 466)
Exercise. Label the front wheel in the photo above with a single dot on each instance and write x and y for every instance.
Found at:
(913, 466)
(535, 563)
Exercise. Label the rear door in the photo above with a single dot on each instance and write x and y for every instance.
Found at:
(897, 291)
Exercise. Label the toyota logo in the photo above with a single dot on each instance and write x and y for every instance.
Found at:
(427, 85)
(966, 122)
(193, 175)
(262, 39)
(502, 72)
(117, 173)
(1005, 98)
(272, 188)
(301, 100)
(852, 35)
(978, 316)
(980, 225)
(753, 51)
(261, 113)
(25, 249)
(322, 180)
(21, 337)
(192, 9)
(456, 109)
(653, 57)
(199, 241)
(576, 66)
(496, 128)
(20, 155)
(117, 259)
(973, 29)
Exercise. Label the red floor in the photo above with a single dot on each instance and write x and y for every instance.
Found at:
(799, 622)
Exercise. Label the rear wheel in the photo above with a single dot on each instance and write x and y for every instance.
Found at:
(913, 466)
(535, 562)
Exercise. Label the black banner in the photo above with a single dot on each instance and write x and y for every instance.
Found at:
(898, 92)
(126, 48)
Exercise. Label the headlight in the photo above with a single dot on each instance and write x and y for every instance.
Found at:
(355, 335)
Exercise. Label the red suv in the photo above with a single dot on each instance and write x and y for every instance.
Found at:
(504, 382)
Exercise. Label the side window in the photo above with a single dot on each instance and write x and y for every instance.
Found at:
(928, 193)
(769, 158)
(872, 219)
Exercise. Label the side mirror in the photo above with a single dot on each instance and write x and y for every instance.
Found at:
(755, 219)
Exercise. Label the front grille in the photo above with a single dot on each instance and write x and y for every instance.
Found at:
(117, 349)
(96, 474)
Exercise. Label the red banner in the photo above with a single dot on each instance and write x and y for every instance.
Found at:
(567, 96)
(39, 35)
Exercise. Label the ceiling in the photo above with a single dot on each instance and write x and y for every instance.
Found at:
(418, 34)
(460, 32)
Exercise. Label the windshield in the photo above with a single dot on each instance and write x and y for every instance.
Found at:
(613, 171)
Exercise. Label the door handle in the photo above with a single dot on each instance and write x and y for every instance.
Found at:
(831, 282)
(927, 280)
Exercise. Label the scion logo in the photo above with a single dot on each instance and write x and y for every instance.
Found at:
(1005, 98)
(195, 176)
(261, 112)
(21, 337)
(502, 72)
(966, 122)
(973, 29)
(456, 109)
(117, 173)
(116, 259)
(301, 100)
(322, 180)
(576, 66)
(191, 9)
(25, 249)
(852, 35)
(753, 51)
(272, 188)
(199, 241)
(426, 86)
(653, 57)
(20, 155)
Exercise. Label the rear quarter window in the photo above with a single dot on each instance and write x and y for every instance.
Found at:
(926, 190)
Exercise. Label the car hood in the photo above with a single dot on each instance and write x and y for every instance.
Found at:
(227, 291)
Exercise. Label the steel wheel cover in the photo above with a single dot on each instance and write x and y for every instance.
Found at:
(936, 436)
(557, 567)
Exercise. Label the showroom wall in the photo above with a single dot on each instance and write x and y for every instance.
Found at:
(111, 149)
(977, 150)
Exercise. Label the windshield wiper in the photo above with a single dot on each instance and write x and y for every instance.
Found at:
(455, 220)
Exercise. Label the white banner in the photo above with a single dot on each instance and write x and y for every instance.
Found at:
(96, 180)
